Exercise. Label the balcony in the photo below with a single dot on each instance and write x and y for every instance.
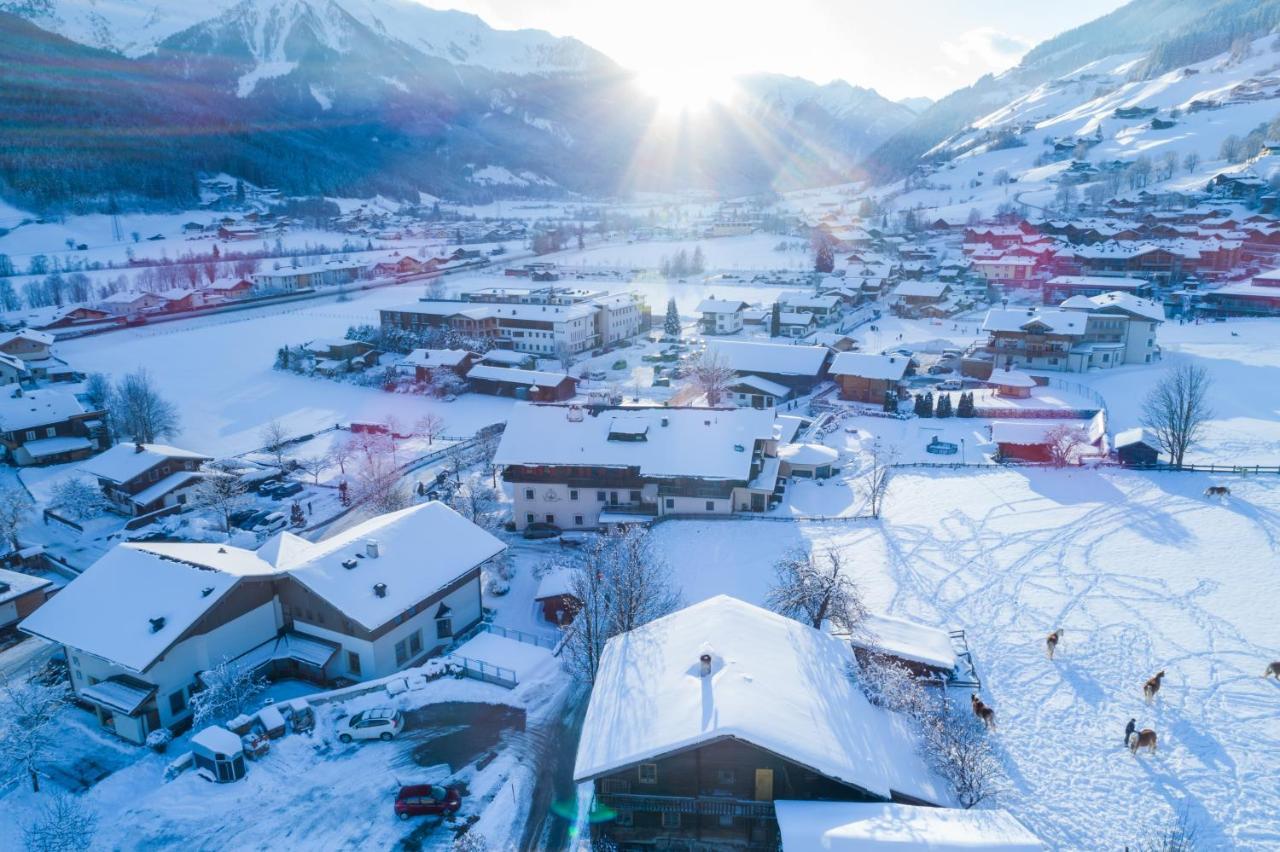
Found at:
(701, 805)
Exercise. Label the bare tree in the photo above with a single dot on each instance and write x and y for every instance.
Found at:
(340, 453)
(138, 412)
(228, 691)
(566, 356)
(221, 491)
(1175, 833)
(813, 590)
(275, 442)
(875, 479)
(377, 483)
(27, 711)
(957, 746)
(78, 498)
(477, 502)
(314, 466)
(63, 824)
(621, 584)
(429, 426)
(15, 510)
(1177, 410)
(1066, 443)
(711, 375)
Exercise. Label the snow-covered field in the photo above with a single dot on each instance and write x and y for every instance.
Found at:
(1142, 573)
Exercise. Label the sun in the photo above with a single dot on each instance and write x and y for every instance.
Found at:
(682, 90)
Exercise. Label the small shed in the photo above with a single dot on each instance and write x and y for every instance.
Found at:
(807, 461)
(1137, 446)
(220, 753)
(1012, 384)
(925, 651)
(555, 596)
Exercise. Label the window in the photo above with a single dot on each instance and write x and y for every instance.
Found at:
(353, 662)
(573, 494)
(614, 785)
(624, 819)
(635, 496)
(670, 819)
(415, 643)
(51, 432)
(648, 773)
(177, 702)
(551, 519)
(726, 820)
(402, 652)
(529, 517)
(600, 496)
(725, 777)
(444, 628)
(711, 505)
(671, 503)
(528, 494)
(31, 435)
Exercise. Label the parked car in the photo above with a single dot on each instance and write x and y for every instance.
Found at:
(376, 723)
(273, 522)
(239, 518)
(597, 375)
(427, 800)
(540, 530)
(951, 385)
(940, 369)
(287, 489)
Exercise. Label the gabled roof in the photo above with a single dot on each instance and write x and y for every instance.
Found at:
(867, 366)
(1128, 303)
(720, 306)
(517, 376)
(764, 385)
(436, 357)
(1136, 435)
(922, 289)
(696, 442)
(884, 827)
(125, 461)
(771, 358)
(775, 683)
(24, 409)
(1049, 319)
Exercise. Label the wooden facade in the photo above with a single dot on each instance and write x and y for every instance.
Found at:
(861, 389)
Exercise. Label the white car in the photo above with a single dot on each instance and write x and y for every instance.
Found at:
(376, 723)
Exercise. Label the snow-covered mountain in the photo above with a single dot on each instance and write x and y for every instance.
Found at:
(135, 29)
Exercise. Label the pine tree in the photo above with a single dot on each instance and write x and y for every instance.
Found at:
(965, 408)
(890, 402)
(344, 493)
(926, 405)
(296, 517)
(775, 320)
(824, 260)
(671, 326)
(944, 405)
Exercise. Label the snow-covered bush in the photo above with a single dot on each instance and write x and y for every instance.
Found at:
(78, 498)
(227, 693)
(63, 824)
(159, 739)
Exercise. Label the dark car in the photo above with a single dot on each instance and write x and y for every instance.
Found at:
(254, 519)
(288, 489)
(539, 530)
(239, 517)
(427, 800)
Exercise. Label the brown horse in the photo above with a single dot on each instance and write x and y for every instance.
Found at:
(1217, 491)
(1273, 670)
(1152, 686)
(1146, 738)
(1051, 644)
(983, 712)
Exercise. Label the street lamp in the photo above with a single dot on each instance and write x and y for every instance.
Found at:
(962, 461)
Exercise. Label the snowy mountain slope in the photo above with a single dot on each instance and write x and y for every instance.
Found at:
(136, 28)
(1194, 108)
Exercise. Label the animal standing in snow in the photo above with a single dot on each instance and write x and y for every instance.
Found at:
(1273, 670)
(1051, 644)
(1152, 686)
(1146, 738)
(1217, 491)
(983, 712)
(1128, 731)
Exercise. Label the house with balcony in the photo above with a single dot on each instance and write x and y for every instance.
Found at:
(721, 316)
(1083, 333)
(866, 377)
(598, 467)
(138, 479)
(799, 366)
(142, 624)
(46, 426)
(699, 721)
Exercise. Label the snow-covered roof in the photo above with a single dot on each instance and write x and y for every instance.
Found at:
(1130, 304)
(906, 640)
(803, 318)
(125, 461)
(1011, 379)
(822, 303)
(922, 289)
(505, 356)
(25, 409)
(807, 454)
(1088, 281)
(1136, 435)
(1015, 319)
(436, 357)
(41, 337)
(867, 366)
(172, 482)
(697, 442)
(107, 611)
(556, 582)
(14, 584)
(45, 447)
(875, 826)
(771, 358)
(775, 683)
(217, 740)
(720, 306)
(517, 376)
(763, 385)
(1027, 434)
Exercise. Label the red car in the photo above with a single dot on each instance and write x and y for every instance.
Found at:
(427, 800)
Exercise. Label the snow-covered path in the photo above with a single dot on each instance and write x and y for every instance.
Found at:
(1143, 574)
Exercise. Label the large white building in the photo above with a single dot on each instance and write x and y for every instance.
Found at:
(1083, 333)
(142, 623)
(584, 469)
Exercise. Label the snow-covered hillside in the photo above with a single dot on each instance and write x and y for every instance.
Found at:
(137, 28)
(1177, 120)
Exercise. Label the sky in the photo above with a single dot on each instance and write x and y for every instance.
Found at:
(901, 48)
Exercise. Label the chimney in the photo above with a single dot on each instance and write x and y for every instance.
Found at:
(380, 589)
(137, 446)
(371, 548)
(157, 624)
(705, 660)
(206, 591)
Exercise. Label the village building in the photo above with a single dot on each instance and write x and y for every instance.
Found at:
(138, 479)
(424, 364)
(797, 366)
(796, 324)
(1137, 447)
(130, 303)
(556, 598)
(863, 377)
(541, 329)
(143, 623)
(20, 595)
(825, 307)
(721, 316)
(531, 385)
(920, 298)
(787, 724)
(1259, 296)
(755, 392)
(578, 468)
(1032, 441)
(294, 279)
(1063, 287)
(886, 827)
(1011, 384)
(228, 289)
(1084, 333)
(46, 426)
